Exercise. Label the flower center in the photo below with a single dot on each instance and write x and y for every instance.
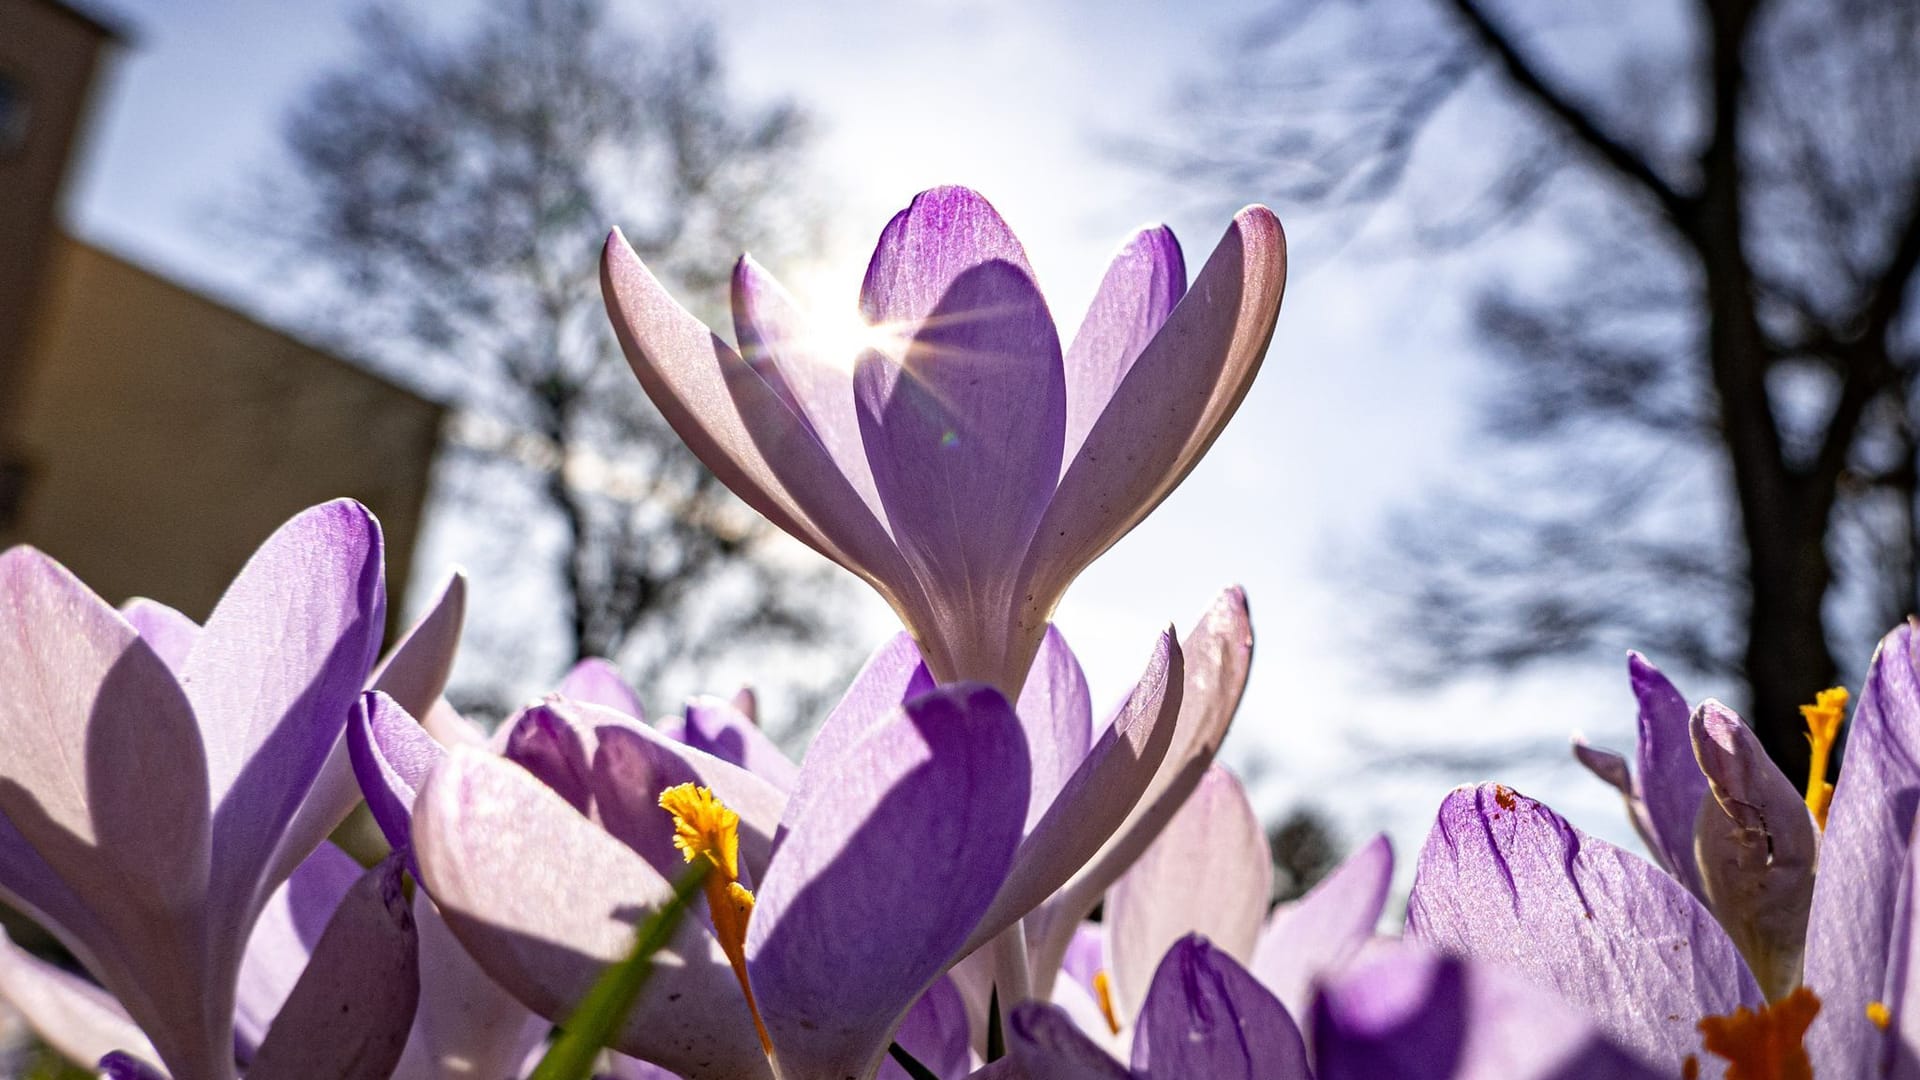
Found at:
(1766, 1044)
(1823, 717)
(704, 827)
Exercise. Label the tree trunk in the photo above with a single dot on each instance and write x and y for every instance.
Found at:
(1783, 515)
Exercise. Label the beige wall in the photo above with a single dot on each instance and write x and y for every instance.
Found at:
(167, 435)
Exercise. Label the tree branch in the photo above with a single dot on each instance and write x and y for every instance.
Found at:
(1888, 296)
(1584, 128)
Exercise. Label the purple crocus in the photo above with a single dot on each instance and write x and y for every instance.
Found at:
(957, 458)
(890, 852)
(1809, 885)
(162, 779)
(894, 771)
(1796, 930)
(465, 1021)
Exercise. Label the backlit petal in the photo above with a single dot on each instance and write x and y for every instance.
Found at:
(544, 900)
(1309, 939)
(1504, 880)
(1143, 283)
(1208, 873)
(1863, 853)
(893, 852)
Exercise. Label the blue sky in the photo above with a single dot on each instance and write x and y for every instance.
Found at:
(1364, 402)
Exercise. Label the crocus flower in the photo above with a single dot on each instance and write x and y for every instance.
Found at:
(1807, 883)
(890, 852)
(956, 458)
(1504, 879)
(871, 790)
(163, 779)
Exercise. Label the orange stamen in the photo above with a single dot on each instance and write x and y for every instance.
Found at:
(704, 827)
(1823, 718)
(1767, 1044)
(1103, 992)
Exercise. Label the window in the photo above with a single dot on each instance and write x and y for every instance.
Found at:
(13, 115)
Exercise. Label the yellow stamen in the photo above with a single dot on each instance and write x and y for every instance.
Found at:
(1103, 992)
(1878, 1012)
(1766, 1044)
(1823, 718)
(703, 827)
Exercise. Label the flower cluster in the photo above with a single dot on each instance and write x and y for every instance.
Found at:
(969, 873)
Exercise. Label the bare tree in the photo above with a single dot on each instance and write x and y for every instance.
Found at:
(454, 192)
(1704, 411)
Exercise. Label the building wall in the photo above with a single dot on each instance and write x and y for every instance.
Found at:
(167, 435)
(48, 54)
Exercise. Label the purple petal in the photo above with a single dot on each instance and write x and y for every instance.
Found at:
(777, 340)
(119, 1066)
(544, 900)
(466, 1024)
(1307, 940)
(893, 675)
(748, 703)
(1504, 880)
(1755, 845)
(103, 794)
(392, 755)
(1409, 1015)
(68, 1013)
(1205, 1016)
(1168, 409)
(1056, 709)
(742, 430)
(597, 682)
(272, 677)
(1671, 783)
(284, 938)
(167, 632)
(941, 236)
(894, 851)
(415, 673)
(1143, 283)
(1216, 658)
(634, 765)
(1087, 955)
(1209, 873)
(715, 727)
(935, 1033)
(1611, 768)
(1098, 797)
(349, 1014)
(963, 432)
(549, 743)
(1043, 1041)
(1863, 852)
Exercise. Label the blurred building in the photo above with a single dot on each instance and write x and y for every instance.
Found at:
(151, 437)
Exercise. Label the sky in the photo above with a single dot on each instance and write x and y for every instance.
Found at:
(1365, 400)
